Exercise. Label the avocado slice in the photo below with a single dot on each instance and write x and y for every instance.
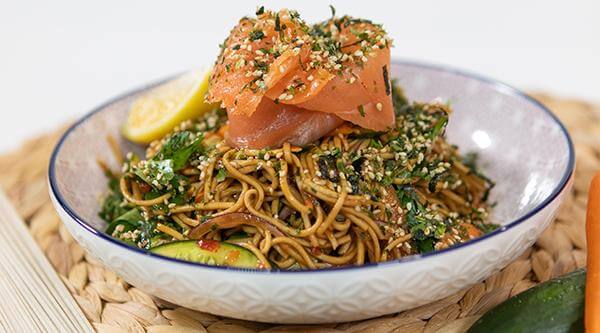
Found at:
(210, 252)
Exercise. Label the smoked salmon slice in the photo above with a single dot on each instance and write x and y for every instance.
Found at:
(274, 124)
(288, 81)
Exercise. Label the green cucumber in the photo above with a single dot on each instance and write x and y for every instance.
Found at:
(209, 252)
(551, 307)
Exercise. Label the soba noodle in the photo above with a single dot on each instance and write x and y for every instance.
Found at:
(351, 198)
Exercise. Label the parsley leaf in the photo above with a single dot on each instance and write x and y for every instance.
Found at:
(425, 245)
(178, 149)
(130, 219)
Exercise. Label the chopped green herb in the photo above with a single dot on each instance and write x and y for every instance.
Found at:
(221, 175)
(361, 110)
(386, 80)
(130, 219)
(179, 149)
(156, 173)
(277, 23)
(375, 143)
(425, 245)
(439, 127)
(256, 35)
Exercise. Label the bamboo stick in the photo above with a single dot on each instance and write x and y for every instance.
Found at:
(34, 298)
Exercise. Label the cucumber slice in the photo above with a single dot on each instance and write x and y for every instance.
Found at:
(554, 306)
(209, 252)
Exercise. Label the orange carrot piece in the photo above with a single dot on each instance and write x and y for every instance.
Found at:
(592, 288)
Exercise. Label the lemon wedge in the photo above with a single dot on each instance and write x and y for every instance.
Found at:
(158, 111)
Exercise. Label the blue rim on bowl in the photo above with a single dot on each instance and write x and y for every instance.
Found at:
(497, 84)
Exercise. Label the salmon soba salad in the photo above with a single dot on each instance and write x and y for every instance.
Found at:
(295, 150)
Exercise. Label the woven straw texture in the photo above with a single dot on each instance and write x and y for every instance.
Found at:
(114, 306)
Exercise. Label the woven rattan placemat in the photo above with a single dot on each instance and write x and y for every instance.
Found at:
(114, 306)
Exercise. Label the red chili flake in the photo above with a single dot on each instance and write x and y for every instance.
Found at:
(209, 245)
(316, 251)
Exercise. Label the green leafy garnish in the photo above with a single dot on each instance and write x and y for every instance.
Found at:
(160, 171)
(375, 143)
(424, 230)
(256, 35)
(130, 220)
(179, 148)
(221, 175)
(425, 245)
(145, 231)
(113, 204)
(440, 125)
(156, 173)
(361, 110)
(277, 23)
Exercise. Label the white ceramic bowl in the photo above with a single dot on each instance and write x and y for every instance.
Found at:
(522, 146)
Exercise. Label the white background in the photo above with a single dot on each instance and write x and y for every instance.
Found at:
(59, 59)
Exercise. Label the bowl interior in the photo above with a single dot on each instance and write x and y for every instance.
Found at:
(521, 146)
